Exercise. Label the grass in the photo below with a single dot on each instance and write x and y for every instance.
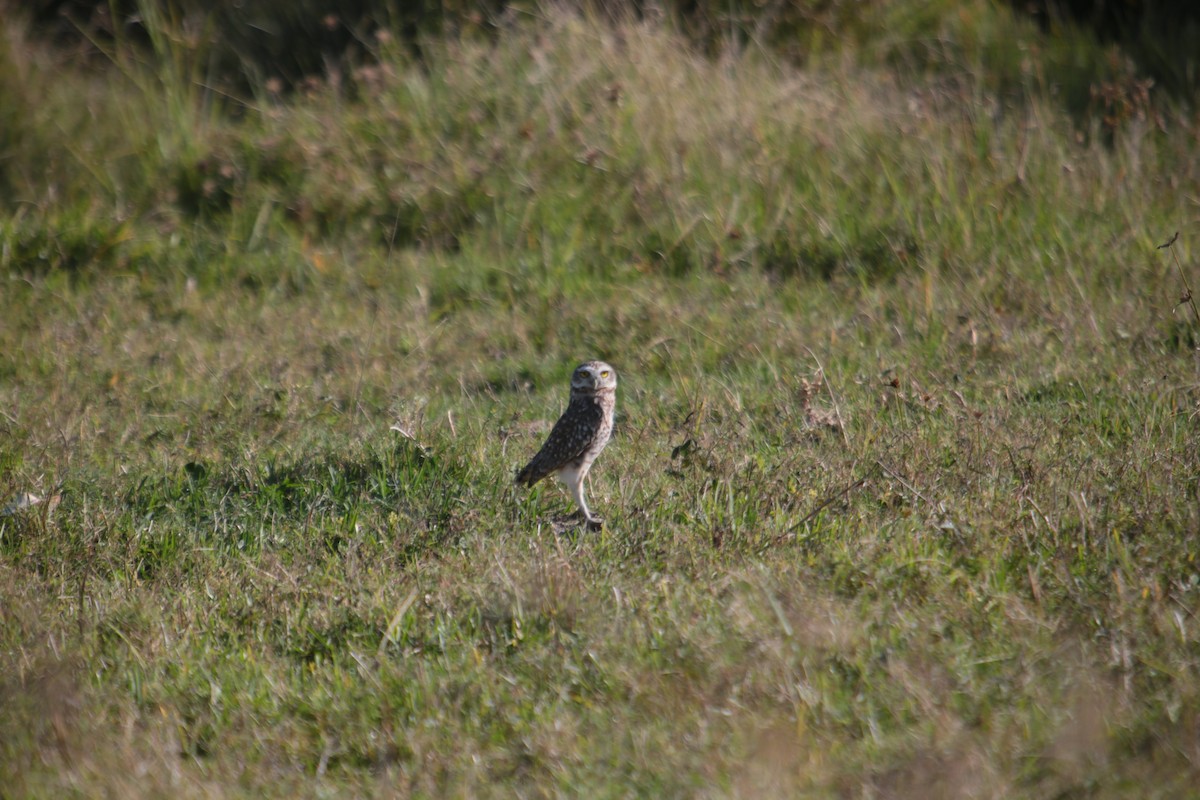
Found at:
(903, 494)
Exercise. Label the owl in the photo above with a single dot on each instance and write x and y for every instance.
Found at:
(579, 435)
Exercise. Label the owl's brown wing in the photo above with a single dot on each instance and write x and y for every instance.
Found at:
(571, 435)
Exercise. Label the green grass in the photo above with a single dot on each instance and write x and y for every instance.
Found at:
(903, 497)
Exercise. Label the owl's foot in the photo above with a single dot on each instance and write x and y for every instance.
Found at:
(576, 522)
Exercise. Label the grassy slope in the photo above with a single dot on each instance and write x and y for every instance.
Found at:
(983, 584)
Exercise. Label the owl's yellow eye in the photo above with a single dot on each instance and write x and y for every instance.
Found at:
(604, 374)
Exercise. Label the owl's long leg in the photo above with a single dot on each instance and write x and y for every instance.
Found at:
(576, 487)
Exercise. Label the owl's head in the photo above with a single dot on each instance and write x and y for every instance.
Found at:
(592, 377)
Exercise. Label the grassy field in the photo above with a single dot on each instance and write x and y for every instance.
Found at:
(904, 496)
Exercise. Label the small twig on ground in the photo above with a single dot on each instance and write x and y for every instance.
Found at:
(1187, 297)
(1169, 242)
(904, 483)
(833, 498)
(393, 627)
(832, 396)
(1053, 528)
(366, 353)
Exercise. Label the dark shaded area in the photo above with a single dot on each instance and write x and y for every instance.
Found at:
(1162, 37)
(245, 43)
(1115, 20)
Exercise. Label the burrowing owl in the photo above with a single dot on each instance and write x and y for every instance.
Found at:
(580, 433)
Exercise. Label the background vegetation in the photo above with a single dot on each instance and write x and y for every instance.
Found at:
(903, 500)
